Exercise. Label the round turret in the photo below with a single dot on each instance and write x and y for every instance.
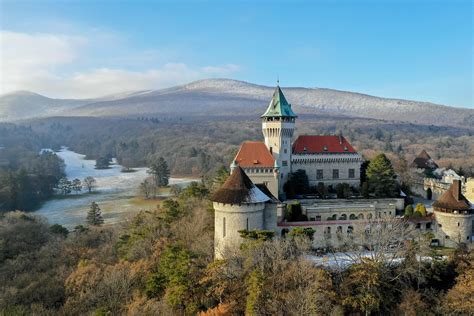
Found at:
(238, 205)
(454, 215)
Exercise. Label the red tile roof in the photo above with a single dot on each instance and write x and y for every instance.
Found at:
(254, 154)
(316, 144)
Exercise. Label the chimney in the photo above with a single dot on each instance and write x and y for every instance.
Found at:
(340, 137)
(457, 189)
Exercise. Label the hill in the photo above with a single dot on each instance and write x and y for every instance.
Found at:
(224, 97)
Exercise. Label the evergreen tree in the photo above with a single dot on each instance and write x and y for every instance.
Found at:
(102, 163)
(381, 177)
(94, 216)
(221, 175)
(160, 171)
(297, 183)
(409, 210)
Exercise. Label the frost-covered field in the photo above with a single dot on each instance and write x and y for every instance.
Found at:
(113, 192)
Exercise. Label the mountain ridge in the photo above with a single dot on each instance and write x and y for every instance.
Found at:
(224, 96)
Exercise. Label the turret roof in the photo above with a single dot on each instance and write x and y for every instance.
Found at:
(278, 106)
(453, 199)
(239, 189)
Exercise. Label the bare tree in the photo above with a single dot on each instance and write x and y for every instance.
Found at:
(89, 183)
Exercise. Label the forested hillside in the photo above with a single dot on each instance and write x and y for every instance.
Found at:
(27, 176)
(161, 263)
(198, 146)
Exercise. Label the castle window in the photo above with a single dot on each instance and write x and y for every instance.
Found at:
(247, 224)
(350, 229)
(319, 174)
(418, 226)
(351, 173)
(223, 227)
(352, 216)
(284, 163)
(335, 173)
(318, 218)
(428, 225)
(458, 223)
(327, 232)
(285, 151)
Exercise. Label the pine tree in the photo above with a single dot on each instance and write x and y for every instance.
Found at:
(94, 216)
(381, 177)
(160, 171)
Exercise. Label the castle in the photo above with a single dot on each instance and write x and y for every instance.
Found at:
(251, 198)
(326, 159)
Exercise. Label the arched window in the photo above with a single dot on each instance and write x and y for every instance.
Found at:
(369, 216)
(352, 216)
(361, 216)
(327, 232)
(343, 217)
(350, 230)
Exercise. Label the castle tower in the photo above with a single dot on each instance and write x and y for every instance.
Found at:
(278, 125)
(454, 216)
(238, 205)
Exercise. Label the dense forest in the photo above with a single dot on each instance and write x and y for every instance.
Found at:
(27, 177)
(161, 263)
(201, 145)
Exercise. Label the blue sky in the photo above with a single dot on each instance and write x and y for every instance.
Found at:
(418, 50)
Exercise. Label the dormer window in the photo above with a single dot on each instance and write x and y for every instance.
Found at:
(325, 148)
(304, 149)
(255, 162)
(345, 148)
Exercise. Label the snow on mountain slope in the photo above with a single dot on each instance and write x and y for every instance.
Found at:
(232, 97)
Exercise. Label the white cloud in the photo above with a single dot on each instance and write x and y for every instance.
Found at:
(57, 66)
